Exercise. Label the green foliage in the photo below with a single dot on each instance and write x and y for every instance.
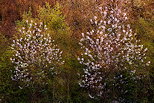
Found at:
(52, 17)
(145, 31)
(7, 87)
(126, 87)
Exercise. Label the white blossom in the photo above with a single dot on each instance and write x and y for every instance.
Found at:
(112, 47)
(34, 51)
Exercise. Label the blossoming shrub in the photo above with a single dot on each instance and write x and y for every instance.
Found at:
(60, 89)
(9, 92)
(36, 57)
(109, 48)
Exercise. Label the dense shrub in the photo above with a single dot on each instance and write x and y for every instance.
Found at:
(35, 56)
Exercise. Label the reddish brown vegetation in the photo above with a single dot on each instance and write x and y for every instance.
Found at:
(77, 12)
(11, 10)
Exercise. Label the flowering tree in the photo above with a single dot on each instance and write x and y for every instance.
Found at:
(110, 47)
(35, 55)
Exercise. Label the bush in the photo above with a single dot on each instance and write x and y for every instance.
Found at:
(35, 56)
(111, 47)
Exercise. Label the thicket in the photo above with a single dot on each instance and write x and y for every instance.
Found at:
(79, 51)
